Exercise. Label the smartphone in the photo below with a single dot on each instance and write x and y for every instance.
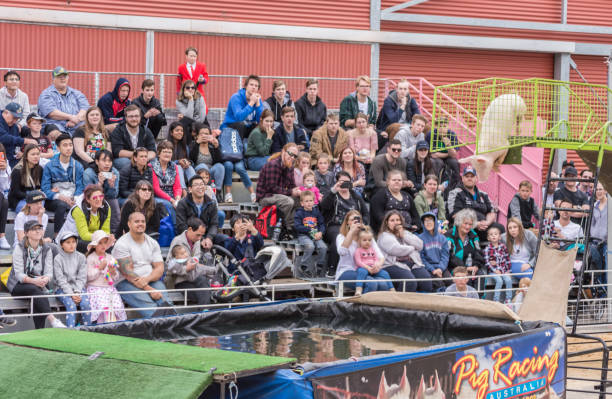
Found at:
(2, 156)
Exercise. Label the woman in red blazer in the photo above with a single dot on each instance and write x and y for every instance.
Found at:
(193, 70)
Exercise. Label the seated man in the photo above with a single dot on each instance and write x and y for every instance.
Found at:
(468, 196)
(114, 102)
(383, 163)
(128, 136)
(409, 136)
(569, 191)
(444, 154)
(141, 266)
(276, 185)
(398, 107)
(9, 132)
(356, 102)
(244, 107)
(198, 205)
(187, 272)
(330, 139)
(288, 132)
(62, 180)
(11, 93)
(153, 115)
(62, 105)
(564, 227)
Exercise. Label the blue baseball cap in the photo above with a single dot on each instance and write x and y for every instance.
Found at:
(59, 70)
(15, 110)
(469, 169)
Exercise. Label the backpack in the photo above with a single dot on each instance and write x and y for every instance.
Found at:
(231, 145)
(166, 231)
(266, 221)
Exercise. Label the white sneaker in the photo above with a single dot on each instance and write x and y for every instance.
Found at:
(4, 244)
(228, 197)
(57, 323)
(253, 197)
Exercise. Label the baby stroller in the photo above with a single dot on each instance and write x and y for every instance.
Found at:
(242, 276)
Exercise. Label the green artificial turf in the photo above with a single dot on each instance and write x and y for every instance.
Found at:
(35, 373)
(136, 350)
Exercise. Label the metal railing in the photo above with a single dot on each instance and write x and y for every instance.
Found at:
(592, 311)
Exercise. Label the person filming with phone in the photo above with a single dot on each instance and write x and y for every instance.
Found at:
(334, 207)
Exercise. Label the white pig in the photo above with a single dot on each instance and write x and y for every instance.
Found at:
(502, 117)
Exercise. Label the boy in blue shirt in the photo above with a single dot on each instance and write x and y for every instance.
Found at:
(309, 225)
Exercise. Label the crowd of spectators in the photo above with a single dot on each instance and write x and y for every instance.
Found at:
(361, 193)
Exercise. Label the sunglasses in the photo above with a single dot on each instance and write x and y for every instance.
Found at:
(145, 189)
(97, 197)
(292, 155)
(396, 150)
(189, 87)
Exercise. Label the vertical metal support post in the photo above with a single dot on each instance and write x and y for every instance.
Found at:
(375, 49)
(563, 11)
(150, 54)
(162, 89)
(96, 86)
(608, 270)
(562, 72)
(239, 82)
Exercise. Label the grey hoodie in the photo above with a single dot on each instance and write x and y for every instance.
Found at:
(70, 272)
(393, 249)
(408, 141)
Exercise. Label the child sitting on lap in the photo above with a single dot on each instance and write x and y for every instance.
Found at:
(366, 261)
(308, 184)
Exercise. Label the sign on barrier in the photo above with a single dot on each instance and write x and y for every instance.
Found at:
(522, 366)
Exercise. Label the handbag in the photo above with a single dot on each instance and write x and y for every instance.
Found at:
(231, 145)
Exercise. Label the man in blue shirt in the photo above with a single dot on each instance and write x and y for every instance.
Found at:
(9, 132)
(62, 105)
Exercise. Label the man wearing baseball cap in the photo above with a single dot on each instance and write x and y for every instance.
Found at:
(467, 195)
(9, 132)
(62, 105)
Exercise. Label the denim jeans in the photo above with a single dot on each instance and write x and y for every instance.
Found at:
(143, 300)
(370, 285)
(221, 217)
(71, 306)
(500, 280)
(309, 246)
(516, 268)
(599, 261)
(363, 273)
(121, 163)
(256, 163)
(240, 169)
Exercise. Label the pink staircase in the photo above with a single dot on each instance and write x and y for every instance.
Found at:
(502, 186)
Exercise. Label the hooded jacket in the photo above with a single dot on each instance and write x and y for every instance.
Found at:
(186, 208)
(311, 116)
(435, 253)
(460, 198)
(320, 143)
(422, 206)
(391, 111)
(459, 252)
(349, 108)
(523, 210)
(280, 138)
(70, 272)
(158, 120)
(239, 110)
(272, 104)
(110, 104)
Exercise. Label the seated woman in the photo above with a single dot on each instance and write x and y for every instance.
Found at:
(421, 166)
(91, 137)
(260, 141)
(138, 170)
(26, 176)
(522, 245)
(349, 164)
(205, 152)
(166, 184)
(246, 241)
(363, 140)
(190, 103)
(33, 210)
(104, 174)
(141, 200)
(5, 186)
(89, 214)
(429, 199)
(180, 156)
(346, 244)
(464, 248)
(32, 272)
(394, 199)
(335, 206)
(401, 250)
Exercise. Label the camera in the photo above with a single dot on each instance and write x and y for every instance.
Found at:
(107, 175)
(346, 184)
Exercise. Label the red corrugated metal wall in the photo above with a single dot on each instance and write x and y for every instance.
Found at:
(526, 10)
(589, 12)
(225, 55)
(325, 13)
(44, 47)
